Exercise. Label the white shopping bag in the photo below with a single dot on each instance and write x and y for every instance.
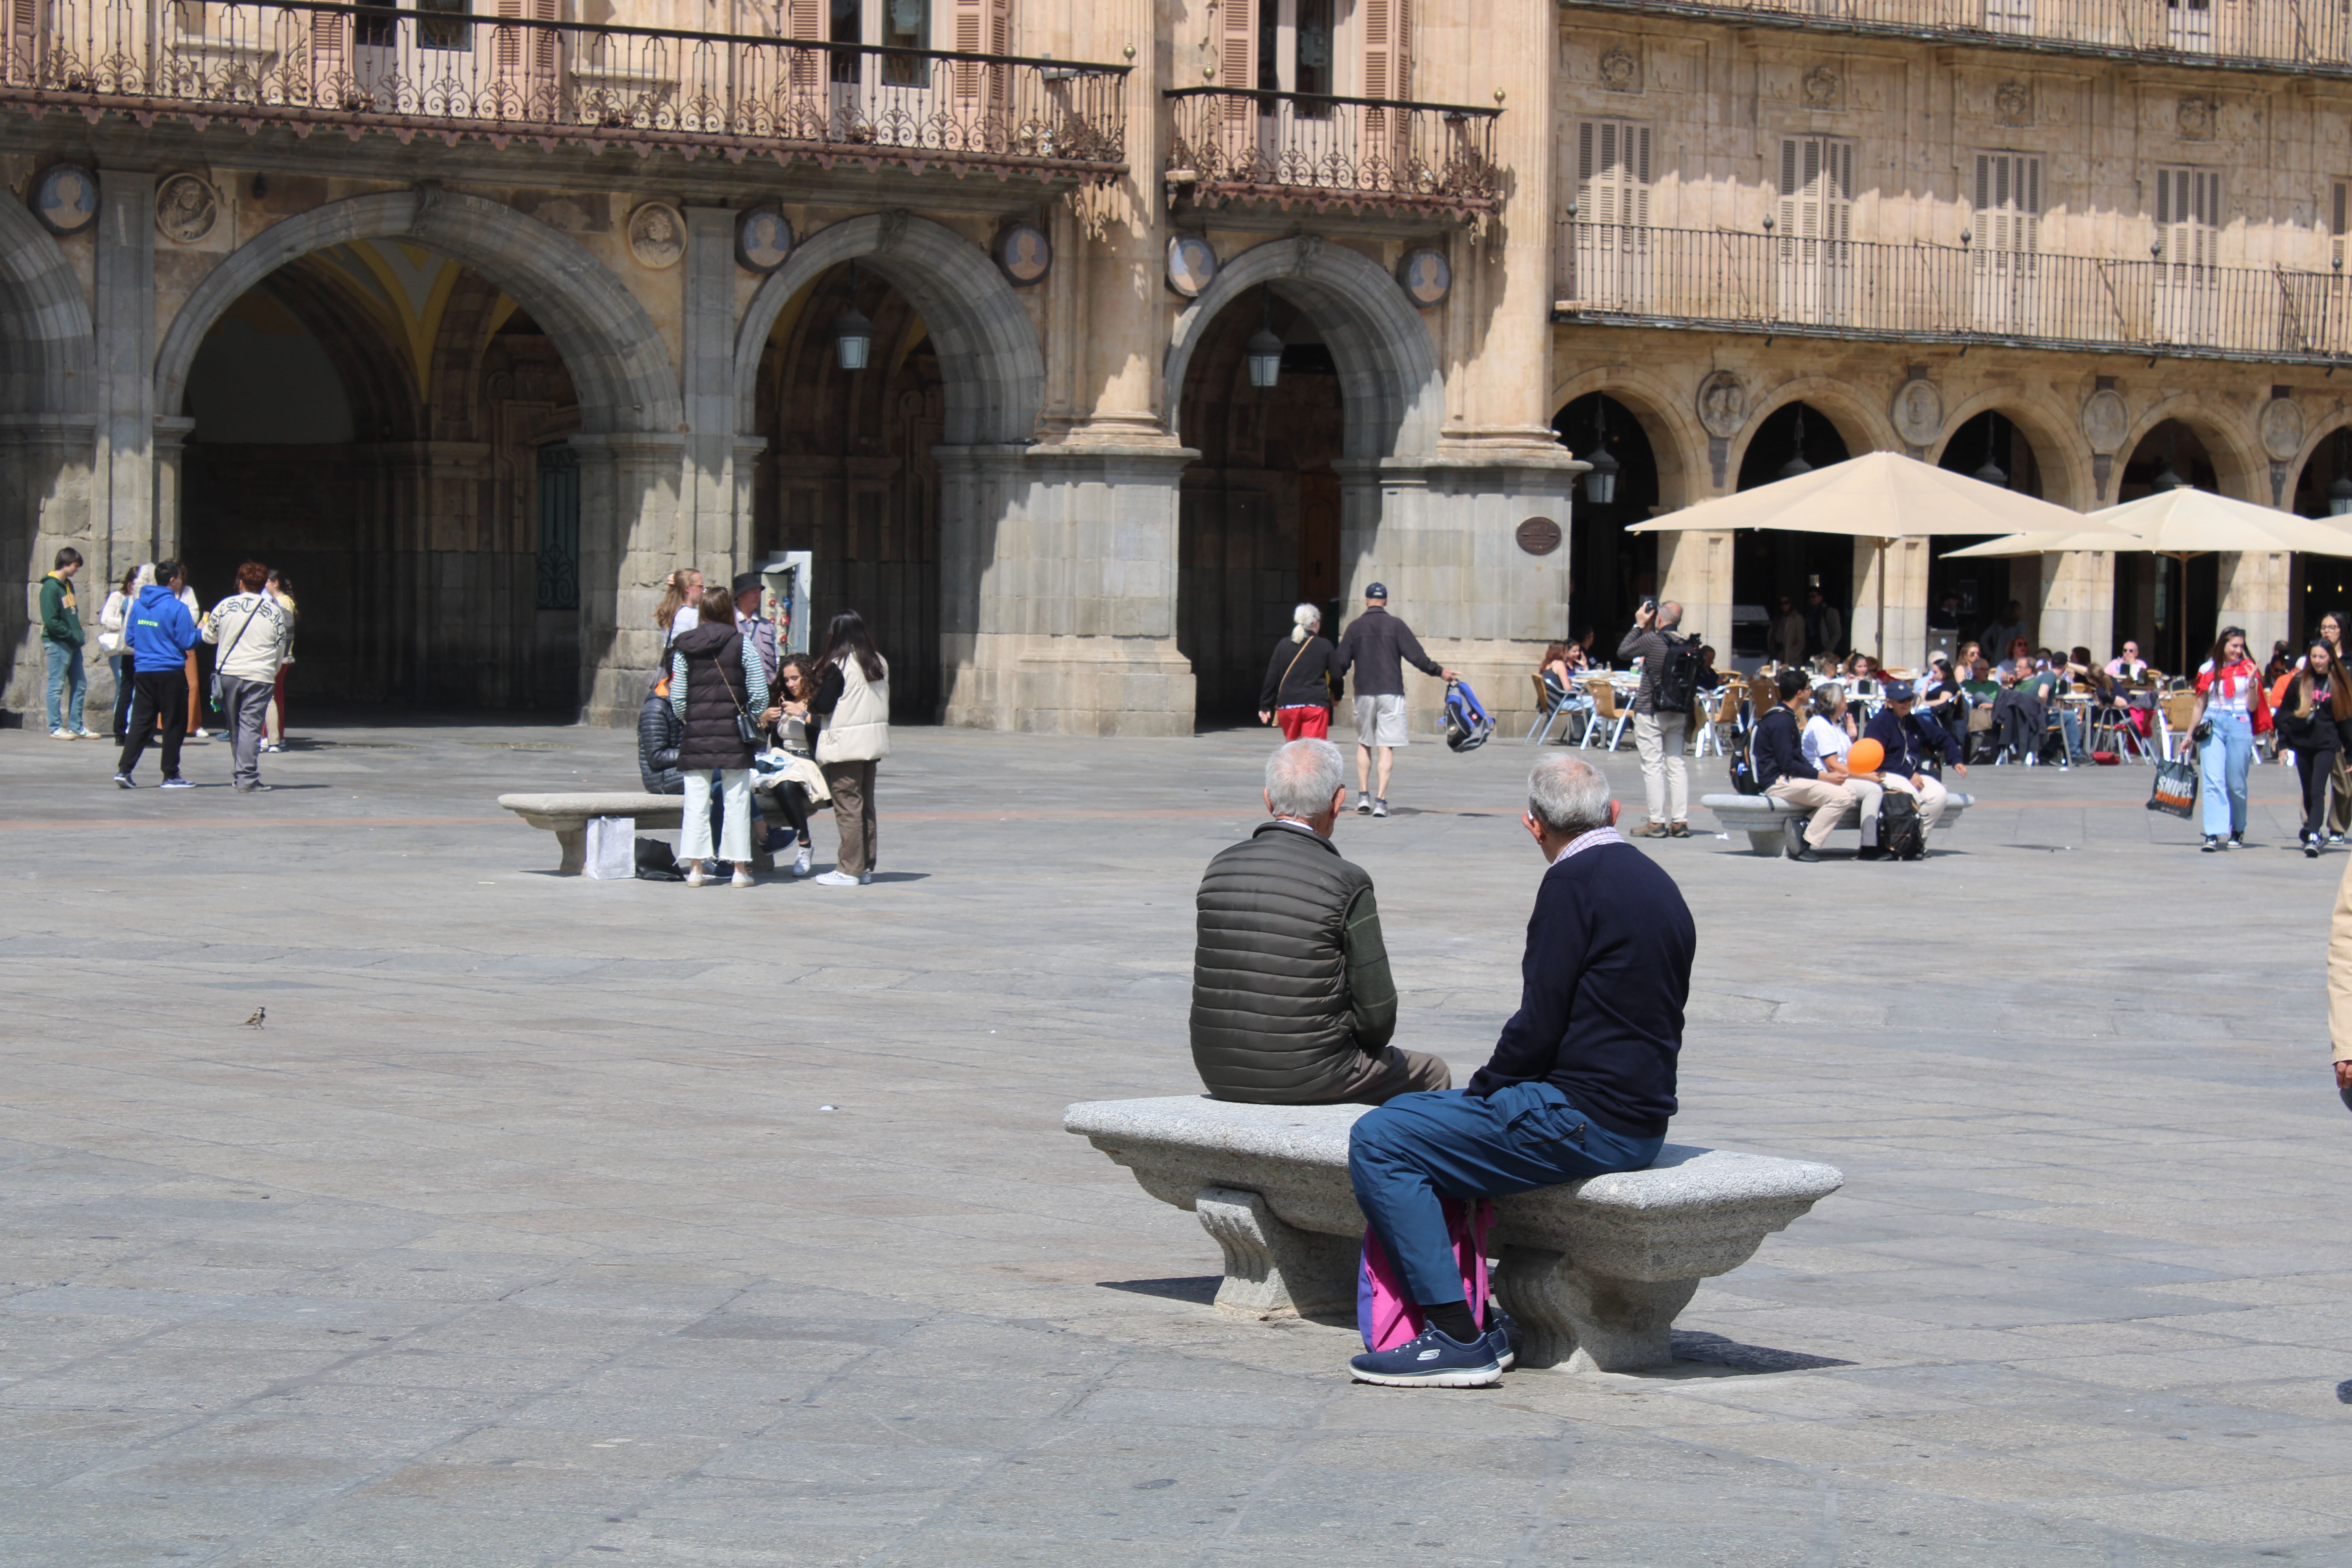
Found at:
(612, 849)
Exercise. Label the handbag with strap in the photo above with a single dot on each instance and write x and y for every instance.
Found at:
(1285, 673)
(746, 731)
(241, 630)
(2175, 791)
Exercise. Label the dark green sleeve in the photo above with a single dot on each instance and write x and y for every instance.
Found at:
(1372, 992)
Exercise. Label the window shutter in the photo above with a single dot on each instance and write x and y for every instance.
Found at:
(2009, 202)
(526, 52)
(1612, 172)
(2188, 215)
(2335, 216)
(982, 27)
(1237, 55)
(810, 69)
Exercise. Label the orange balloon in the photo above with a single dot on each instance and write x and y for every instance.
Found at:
(1865, 757)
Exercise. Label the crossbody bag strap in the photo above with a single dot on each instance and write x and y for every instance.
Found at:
(1285, 674)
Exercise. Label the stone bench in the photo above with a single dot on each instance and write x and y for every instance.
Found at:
(1766, 820)
(566, 816)
(1595, 1269)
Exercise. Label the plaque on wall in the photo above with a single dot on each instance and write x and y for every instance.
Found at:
(763, 240)
(657, 235)
(1192, 264)
(185, 209)
(1539, 536)
(1023, 254)
(1425, 276)
(65, 198)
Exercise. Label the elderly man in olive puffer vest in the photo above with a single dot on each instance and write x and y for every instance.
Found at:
(1292, 1001)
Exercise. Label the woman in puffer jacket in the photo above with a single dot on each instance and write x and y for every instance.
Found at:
(716, 679)
(660, 732)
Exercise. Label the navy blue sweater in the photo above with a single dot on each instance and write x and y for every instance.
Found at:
(1603, 985)
(1906, 739)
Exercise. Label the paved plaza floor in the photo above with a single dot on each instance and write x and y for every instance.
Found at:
(550, 1221)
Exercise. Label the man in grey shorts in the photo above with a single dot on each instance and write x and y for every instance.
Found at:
(1378, 647)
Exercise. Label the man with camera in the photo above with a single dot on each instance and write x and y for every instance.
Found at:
(1657, 728)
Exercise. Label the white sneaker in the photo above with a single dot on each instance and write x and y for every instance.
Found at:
(743, 877)
(62, 735)
(200, 734)
(801, 862)
(87, 734)
(836, 879)
(694, 877)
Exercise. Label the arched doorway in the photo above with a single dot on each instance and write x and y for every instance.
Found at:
(2167, 605)
(391, 430)
(2322, 583)
(1966, 596)
(1258, 525)
(1769, 565)
(849, 472)
(1611, 571)
(48, 495)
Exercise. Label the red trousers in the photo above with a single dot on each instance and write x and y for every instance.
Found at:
(1304, 723)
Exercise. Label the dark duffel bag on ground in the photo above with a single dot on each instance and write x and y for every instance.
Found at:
(1899, 833)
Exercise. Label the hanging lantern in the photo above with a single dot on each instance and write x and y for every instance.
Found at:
(1264, 358)
(852, 334)
(1796, 464)
(1600, 481)
(2339, 497)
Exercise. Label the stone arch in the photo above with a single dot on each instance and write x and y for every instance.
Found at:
(1389, 377)
(47, 350)
(993, 371)
(1676, 442)
(1862, 425)
(2242, 473)
(2058, 446)
(610, 344)
(2323, 430)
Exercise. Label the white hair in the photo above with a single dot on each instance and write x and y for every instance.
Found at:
(1303, 622)
(1568, 794)
(1302, 776)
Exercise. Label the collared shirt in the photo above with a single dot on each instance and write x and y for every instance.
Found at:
(1584, 841)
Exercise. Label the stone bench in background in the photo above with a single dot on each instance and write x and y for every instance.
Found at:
(566, 816)
(1776, 827)
(1594, 1270)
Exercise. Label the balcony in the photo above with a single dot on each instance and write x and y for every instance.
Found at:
(2230, 34)
(444, 72)
(1362, 154)
(1616, 276)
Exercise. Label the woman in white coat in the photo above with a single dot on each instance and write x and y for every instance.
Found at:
(853, 706)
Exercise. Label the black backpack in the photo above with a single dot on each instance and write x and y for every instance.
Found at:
(1677, 687)
(1899, 833)
(1742, 757)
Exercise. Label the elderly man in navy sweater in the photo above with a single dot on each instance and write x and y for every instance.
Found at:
(1908, 737)
(1581, 1081)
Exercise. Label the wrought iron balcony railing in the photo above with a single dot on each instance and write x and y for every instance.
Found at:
(1613, 274)
(1360, 153)
(2245, 34)
(446, 72)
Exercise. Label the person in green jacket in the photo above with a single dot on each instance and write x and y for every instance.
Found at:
(61, 640)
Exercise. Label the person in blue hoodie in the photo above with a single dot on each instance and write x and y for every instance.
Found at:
(160, 632)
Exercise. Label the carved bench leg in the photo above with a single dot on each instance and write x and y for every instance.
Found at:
(1590, 1322)
(572, 843)
(1767, 841)
(1272, 1266)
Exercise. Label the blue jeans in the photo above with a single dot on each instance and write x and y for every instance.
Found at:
(1406, 1155)
(68, 678)
(2223, 762)
(122, 663)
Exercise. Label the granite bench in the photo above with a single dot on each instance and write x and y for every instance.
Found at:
(566, 816)
(1766, 820)
(1595, 1269)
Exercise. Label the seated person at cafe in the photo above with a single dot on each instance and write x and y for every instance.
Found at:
(2020, 714)
(1783, 774)
(1909, 738)
(2128, 665)
(1292, 1000)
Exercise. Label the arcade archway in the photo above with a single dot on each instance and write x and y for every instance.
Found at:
(1768, 565)
(2167, 605)
(1966, 596)
(1611, 571)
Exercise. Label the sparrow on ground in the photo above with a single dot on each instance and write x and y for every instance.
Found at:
(258, 1013)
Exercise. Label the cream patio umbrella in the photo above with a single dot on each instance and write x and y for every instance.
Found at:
(1879, 496)
(2180, 523)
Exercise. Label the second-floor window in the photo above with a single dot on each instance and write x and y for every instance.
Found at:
(2188, 217)
(2339, 199)
(2008, 199)
(1612, 172)
(1816, 188)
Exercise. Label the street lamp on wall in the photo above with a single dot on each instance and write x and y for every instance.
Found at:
(1600, 481)
(1991, 473)
(1796, 464)
(852, 334)
(1264, 349)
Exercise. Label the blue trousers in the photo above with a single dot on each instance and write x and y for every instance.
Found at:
(1407, 1155)
(2223, 762)
(67, 681)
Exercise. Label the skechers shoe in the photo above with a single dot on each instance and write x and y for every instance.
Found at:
(1432, 1361)
(1504, 1336)
(176, 781)
(124, 780)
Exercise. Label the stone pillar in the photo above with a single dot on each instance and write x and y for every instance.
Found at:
(1694, 571)
(1442, 533)
(716, 532)
(123, 321)
(168, 440)
(2077, 602)
(1057, 567)
(2254, 595)
(1903, 640)
(629, 528)
(44, 504)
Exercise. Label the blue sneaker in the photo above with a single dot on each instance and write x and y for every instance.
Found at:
(1432, 1361)
(1504, 1339)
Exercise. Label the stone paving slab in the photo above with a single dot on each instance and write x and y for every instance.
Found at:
(555, 1222)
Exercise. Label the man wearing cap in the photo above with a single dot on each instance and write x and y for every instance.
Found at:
(755, 627)
(1382, 644)
(1908, 737)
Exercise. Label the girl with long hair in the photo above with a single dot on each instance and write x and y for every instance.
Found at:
(2312, 713)
(681, 604)
(2228, 700)
(853, 702)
